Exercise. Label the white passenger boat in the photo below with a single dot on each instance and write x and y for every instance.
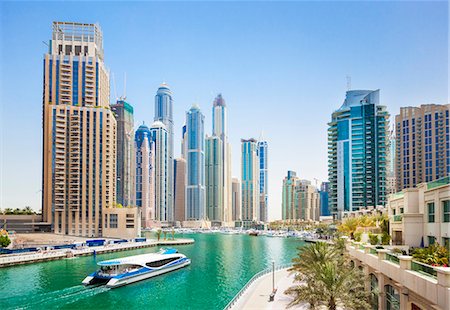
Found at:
(126, 270)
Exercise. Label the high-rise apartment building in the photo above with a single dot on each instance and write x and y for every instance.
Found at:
(145, 175)
(236, 199)
(250, 181)
(123, 112)
(163, 210)
(79, 132)
(391, 179)
(164, 114)
(179, 189)
(195, 163)
(324, 194)
(300, 199)
(263, 186)
(422, 144)
(218, 167)
(214, 179)
(357, 150)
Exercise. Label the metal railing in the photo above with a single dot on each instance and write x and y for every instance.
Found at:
(424, 269)
(392, 258)
(251, 281)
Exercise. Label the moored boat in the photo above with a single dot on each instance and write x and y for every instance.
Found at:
(126, 270)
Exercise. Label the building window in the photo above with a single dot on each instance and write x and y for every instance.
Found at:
(431, 240)
(402, 210)
(430, 212)
(392, 298)
(446, 242)
(113, 221)
(446, 209)
(374, 291)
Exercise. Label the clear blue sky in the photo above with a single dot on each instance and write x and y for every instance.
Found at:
(281, 67)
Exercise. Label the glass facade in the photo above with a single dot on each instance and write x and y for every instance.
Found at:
(195, 187)
(358, 152)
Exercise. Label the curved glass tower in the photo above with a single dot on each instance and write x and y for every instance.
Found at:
(357, 150)
(145, 181)
(195, 187)
(164, 114)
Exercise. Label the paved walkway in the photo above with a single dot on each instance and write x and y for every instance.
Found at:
(257, 295)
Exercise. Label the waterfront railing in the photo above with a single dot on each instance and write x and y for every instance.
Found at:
(251, 281)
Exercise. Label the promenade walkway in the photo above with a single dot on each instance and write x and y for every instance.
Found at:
(257, 295)
(26, 258)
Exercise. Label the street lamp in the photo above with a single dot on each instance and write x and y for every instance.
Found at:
(273, 276)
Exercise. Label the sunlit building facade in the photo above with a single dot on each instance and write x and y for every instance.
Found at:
(357, 150)
(123, 112)
(250, 181)
(79, 132)
(195, 163)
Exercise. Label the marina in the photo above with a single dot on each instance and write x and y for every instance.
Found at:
(221, 264)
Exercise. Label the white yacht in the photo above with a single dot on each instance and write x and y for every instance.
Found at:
(126, 270)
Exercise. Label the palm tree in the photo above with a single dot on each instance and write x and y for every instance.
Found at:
(173, 234)
(327, 279)
(165, 234)
(158, 234)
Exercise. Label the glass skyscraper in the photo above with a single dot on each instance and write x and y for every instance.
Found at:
(218, 168)
(164, 114)
(250, 182)
(263, 186)
(358, 149)
(145, 174)
(195, 163)
(123, 112)
(163, 210)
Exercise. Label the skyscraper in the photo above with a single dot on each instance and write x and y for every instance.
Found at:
(180, 189)
(236, 199)
(159, 136)
(250, 182)
(422, 144)
(79, 132)
(145, 174)
(214, 179)
(125, 152)
(300, 199)
(263, 186)
(324, 199)
(218, 167)
(164, 114)
(391, 180)
(195, 151)
(357, 150)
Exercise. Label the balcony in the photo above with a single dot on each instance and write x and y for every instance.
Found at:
(398, 218)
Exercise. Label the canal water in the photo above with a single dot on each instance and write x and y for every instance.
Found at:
(221, 265)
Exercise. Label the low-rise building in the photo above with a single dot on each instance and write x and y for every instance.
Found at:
(22, 223)
(421, 216)
(121, 223)
(399, 282)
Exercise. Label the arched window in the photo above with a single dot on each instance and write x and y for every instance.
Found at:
(392, 298)
(374, 290)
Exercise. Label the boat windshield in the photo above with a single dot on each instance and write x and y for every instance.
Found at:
(118, 269)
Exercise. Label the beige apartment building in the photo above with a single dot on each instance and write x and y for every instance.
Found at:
(79, 132)
(421, 216)
(422, 144)
(121, 223)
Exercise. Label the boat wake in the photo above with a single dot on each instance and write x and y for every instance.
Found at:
(65, 296)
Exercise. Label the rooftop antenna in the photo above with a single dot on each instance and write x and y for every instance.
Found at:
(349, 82)
(114, 84)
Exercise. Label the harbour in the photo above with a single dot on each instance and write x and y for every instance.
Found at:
(221, 265)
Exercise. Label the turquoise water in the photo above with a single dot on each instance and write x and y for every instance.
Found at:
(221, 265)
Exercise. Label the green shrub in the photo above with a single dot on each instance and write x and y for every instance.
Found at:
(357, 236)
(385, 238)
(373, 239)
(4, 241)
(435, 255)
